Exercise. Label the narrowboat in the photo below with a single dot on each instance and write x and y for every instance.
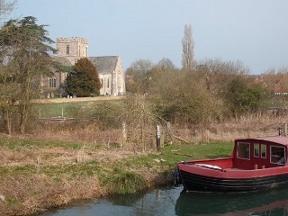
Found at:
(255, 164)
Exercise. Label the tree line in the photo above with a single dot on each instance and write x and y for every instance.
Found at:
(212, 90)
(197, 93)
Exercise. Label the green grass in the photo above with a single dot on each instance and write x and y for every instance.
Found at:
(78, 169)
(69, 109)
(71, 170)
(176, 153)
(126, 182)
(19, 144)
(55, 109)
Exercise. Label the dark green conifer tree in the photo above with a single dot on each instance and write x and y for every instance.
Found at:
(84, 80)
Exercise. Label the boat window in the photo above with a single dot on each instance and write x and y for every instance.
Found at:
(243, 150)
(256, 150)
(263, 151)
(278, 155)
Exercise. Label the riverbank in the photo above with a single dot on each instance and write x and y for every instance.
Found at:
(37, 175)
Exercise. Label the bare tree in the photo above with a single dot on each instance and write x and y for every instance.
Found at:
(165, 63)
(188, 62)
(138, 76)
(6, 7)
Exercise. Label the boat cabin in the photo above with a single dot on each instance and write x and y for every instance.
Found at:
(255, 164)
(260, 153)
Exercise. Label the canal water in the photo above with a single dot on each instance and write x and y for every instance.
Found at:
(175, 201)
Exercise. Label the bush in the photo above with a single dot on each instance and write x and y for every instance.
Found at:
(243, 97)
(127, 183)
(187, 102)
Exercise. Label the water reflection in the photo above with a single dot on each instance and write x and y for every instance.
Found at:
(174, 201)
(154, 203)
(270, 202)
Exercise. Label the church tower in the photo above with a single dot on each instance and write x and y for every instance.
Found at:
(72, 48)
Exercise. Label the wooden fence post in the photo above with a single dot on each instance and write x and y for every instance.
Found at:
(158, 137)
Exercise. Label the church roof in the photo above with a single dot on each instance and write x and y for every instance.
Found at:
(104, 64)
(63, 60)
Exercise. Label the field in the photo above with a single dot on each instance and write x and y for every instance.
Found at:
(58, 163)
(64, 106)
(37, 175)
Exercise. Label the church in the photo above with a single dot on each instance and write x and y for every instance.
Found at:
(69, 51)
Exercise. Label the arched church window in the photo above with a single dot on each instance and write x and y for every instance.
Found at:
(52, 82)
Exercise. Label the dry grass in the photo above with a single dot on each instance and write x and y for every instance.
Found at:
(35, 189)
(248, 126)
(23, 195)
(58, 156)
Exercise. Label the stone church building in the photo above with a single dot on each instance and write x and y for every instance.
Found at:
(69, 51)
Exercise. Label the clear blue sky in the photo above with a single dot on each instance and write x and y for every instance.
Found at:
(252, 31)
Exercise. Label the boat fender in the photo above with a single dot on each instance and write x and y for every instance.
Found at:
(176, 177)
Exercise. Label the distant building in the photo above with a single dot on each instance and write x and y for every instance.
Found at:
(111, 74)
(69, 51)
(276, 83)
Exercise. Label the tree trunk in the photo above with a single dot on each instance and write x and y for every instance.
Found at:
(23, 117)
(7, 116)
(8, 121)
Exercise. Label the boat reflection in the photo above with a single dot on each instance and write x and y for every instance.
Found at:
(270, 202)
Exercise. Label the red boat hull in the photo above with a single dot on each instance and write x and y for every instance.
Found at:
(193, 182)
(219, 175)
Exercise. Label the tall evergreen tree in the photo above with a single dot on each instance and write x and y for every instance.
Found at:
(84, 80)
(24, 57)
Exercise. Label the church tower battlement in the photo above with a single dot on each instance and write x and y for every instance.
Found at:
(72, 48)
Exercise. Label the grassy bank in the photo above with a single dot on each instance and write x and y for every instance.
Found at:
(36, 175)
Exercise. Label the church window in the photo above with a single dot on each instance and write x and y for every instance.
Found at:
(67, 50)
(52, 82)
(108, 83)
